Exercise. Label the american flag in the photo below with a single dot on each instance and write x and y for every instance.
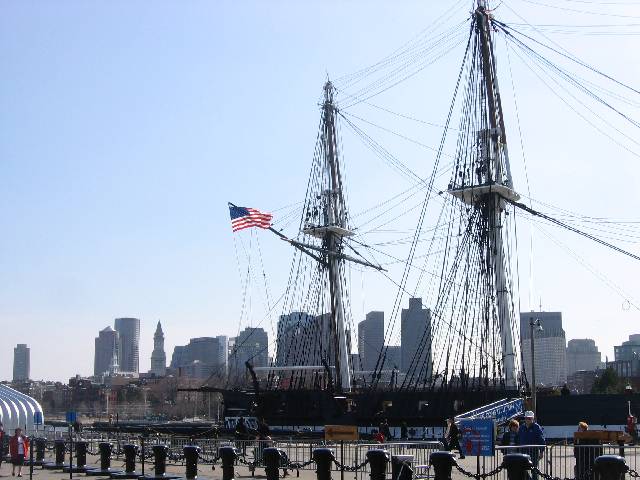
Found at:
(243, 217)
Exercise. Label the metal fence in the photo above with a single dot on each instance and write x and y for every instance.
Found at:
(562, 460)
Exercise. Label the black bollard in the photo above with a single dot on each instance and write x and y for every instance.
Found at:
(59, 448)
(59, 451)
(130, 454)
(160, 453)
(610, 467)
(401, 468)
(272, 458)
(517, 466)
(105, 449)
(41, 446)
(378, 460)
(323, 457)
(191, 454)
(442, 463)
(81, 458)
(228, 456)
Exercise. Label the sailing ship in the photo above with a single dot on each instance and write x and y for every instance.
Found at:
(469, 354)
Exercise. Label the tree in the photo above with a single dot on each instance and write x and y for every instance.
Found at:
(608, 382)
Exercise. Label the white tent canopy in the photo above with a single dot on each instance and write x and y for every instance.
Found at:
(17, 410)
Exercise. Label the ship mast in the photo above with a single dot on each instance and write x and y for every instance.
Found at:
(488, 188)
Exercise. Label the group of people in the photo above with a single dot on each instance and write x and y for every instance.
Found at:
(18, 449)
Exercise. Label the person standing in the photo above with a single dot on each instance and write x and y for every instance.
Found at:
(452, 437)
(531, 435)
(510, 437)
(18, 448)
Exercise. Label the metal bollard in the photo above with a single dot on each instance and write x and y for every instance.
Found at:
(105, 449)
(378, 460)
(58, 463)
(610, 467)
(517, 466)
(59, 448)
(401, 468)
(160, 460)
(81, 458)
(130, 454)
(228, 456)
(442, 463)
(323, 457)
(105, 455)
(81, 454)
(191, 454)
(272, 457)
(160, 453)
(41, 446)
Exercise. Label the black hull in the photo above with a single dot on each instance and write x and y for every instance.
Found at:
(316, 407)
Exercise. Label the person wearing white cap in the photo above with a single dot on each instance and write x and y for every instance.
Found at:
(531, 433)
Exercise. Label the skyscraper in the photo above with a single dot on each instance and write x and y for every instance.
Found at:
(550, 348)
(21, 363)
(415, 340)
(106, 352)
(629, 350)
(370, 339)
(201, 357)
(582, 354)
(129, 340)
(158, 357)
(251, 346)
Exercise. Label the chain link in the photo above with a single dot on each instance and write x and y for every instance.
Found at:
(479, 476)
(546, 476)
(633, 473)
(347, 468)
(298, 466)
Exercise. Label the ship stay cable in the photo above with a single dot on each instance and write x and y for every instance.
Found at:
(379, 365)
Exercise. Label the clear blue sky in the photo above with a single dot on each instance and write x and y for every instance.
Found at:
(126, 126)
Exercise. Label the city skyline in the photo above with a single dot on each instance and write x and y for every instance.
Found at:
(118, 168)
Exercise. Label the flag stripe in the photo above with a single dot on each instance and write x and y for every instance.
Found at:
(243, 217)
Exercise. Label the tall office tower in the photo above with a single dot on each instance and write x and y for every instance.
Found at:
(371, 340)
(393, 358)
(129, 347)
(223, 354)
(158, 357)
(201, 357)
(290, 344)
(415, 341)
(582, 354)
(105, 358)
(251, 345)
(550, 347)
(629, 350)
(21, 363)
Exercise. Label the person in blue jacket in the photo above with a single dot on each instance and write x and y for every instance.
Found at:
(531, 433)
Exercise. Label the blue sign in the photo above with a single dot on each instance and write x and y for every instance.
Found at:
(72, 417)
(477, 437)
(37, 418)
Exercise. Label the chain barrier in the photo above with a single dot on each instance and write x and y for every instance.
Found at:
(347, 468)
(633, 473)
(210, 460)
(479, 476)
(298, 466)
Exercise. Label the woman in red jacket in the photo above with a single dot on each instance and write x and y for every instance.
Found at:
(18, 448)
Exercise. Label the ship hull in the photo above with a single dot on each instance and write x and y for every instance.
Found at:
(316, 407)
